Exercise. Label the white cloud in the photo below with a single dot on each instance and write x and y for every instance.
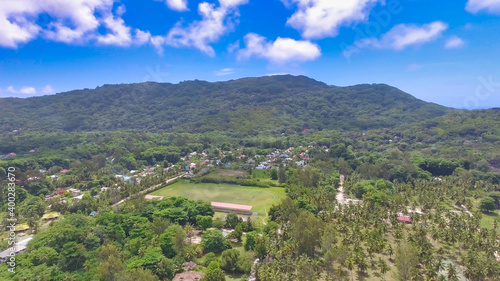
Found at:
(141, 37)
(454, 42)
(48, 90)
(402, 36)
(23, 90)
(215, 23)
(281, 51)
(158, 42)
(317, 19)
(119, 35)
(67, 21)
(224, 72)
(490, 6)
(177, 5)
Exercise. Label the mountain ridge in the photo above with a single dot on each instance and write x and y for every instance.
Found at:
(269, 103)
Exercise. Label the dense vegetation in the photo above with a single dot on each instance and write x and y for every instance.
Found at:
(245, 106)
(412, 161)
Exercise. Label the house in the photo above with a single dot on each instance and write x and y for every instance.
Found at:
(54, 177)
(21, 228)
(74, 191)
(50, 216)
(190, 266)
(64, 171)
(93, 214)
(79, 197)
(149, 197)
(61, 191)
(405, 219)
(18, 249)
(228, 165)
(189, 276)
(300, 163)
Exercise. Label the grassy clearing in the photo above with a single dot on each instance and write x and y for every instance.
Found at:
(232, 173)
(260, 198)
(487, 220)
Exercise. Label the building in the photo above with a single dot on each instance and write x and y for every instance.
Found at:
(232, 208)
(405, 219)
(19, 249)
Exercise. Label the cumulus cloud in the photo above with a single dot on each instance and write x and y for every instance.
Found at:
(454, 42)
(177, 5)
(281, 51)
(403, 35)
(215, 22)
(317, 19)
(489, 6)
(23, 90)
(67, 21)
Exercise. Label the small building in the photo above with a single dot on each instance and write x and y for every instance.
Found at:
(61, 191)
(64, 171)
(189, 276)
(228, 165)
(190, 266)
(50, 216)
(18, 249)
(74, 191)
(405, 219)
(93, 214)
(149, 197)
(79, 197)
(21, 228)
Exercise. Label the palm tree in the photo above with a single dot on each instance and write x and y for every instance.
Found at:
(452, 272)
(349, 263)
(384, 268)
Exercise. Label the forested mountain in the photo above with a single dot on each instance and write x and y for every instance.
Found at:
(249, 105)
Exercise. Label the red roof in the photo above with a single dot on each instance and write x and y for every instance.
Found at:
(12, 154)
(405, 219)
(61, 191)
(64, 171)
(231, 206)
(153, 197)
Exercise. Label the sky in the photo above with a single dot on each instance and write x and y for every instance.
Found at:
(446, 52)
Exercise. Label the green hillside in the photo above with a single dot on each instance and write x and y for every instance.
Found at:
(272, 104)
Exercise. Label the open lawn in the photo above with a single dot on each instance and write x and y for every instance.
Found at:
(487, 220)
(260, 198)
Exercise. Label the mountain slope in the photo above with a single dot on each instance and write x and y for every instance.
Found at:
(273, 103)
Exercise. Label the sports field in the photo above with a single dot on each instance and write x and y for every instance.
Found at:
(260, 198)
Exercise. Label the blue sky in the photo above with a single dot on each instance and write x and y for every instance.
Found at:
(445, 52)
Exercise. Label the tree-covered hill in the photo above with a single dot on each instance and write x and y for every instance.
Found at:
(272, 104)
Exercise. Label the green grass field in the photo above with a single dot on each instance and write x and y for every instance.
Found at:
(260, 198)
(488, 218)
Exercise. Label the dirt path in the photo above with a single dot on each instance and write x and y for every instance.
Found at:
(340, 192)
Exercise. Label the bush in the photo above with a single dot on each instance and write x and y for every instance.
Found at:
(487, 204)
(214, 241)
